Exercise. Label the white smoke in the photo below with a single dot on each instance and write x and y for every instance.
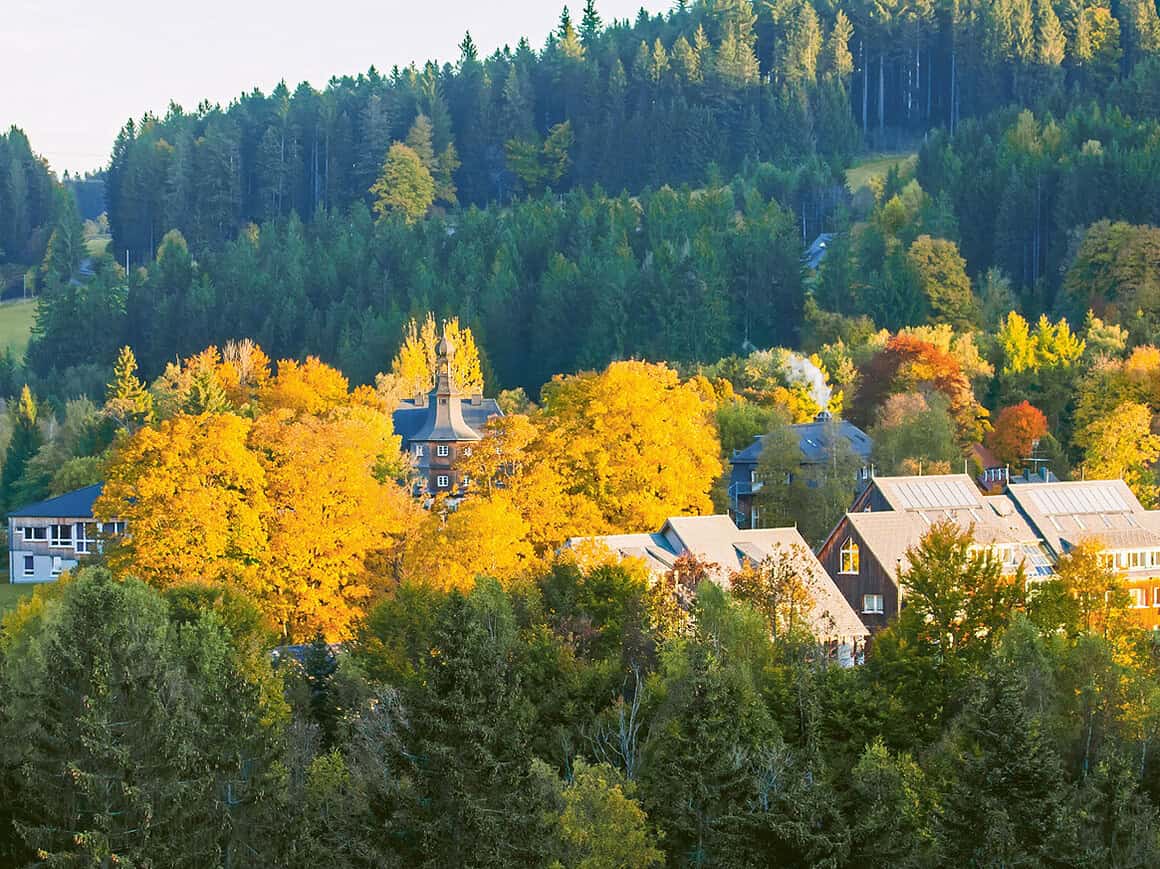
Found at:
(799, 369)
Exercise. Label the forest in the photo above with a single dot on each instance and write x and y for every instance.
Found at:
(289, 661)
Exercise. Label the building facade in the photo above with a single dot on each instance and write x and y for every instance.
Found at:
(1029, 525)
(50, 537)
(815, 440)
(717, 541)
(440, 428)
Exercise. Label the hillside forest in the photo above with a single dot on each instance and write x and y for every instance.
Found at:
(290, 661)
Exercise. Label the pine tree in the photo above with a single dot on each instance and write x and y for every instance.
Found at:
(127, 402)
(837, 61)
(736, 58)
(26, 440)
(590, 25)
(1050, 43)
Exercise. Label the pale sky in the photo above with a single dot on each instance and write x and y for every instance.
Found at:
(73, 71)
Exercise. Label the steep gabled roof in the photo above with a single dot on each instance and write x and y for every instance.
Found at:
(813, 439)
(71, 505)
(1068, 513)
(716, 540)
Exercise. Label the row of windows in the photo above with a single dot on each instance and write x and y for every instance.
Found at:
(30, 565)
(81, 537)
(1133, 560)
(1139, 597)
(441, 450)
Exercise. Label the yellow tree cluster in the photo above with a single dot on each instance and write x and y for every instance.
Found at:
(619, 450)
(280, 486)
(413, 368)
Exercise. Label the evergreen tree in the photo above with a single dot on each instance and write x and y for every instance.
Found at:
(26, 440)
(127, 402)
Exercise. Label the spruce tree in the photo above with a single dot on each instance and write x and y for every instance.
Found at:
(26, 440)
(127, 402)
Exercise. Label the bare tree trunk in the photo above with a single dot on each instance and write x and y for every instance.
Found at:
(865, 88)
(881, 95)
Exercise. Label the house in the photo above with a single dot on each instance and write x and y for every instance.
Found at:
(47, 538)
(1031, 524)
(717, 541)
(816, 252)
(866, 552)
(442, 426)
(814, 439)
(1108, 513)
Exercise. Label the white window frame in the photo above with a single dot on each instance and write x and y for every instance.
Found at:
(419, 451)
(30, 535)
(56, 538)
(442, 451)
(83, 542)
(29, 560)
(442, 481)
(1139, 598)
(879, 599)
(851, 549)
(57, 566)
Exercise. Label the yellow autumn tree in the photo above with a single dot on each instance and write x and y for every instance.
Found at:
(306, 387)
(413, 369)
(509, 460)
(483, 537)
(1121, 446)
(330, 514)
(193, 499)
(634, 441)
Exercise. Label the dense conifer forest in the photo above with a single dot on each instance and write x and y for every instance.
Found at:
(289, 661)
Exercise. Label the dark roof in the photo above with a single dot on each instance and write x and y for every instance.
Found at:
(816, 252)
(812, 440)
(410, 418)
(71, 505)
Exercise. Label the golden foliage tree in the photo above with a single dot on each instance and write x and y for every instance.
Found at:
(329, 514)
(413, 368)
(193, 499)
(634, 441)
(483, 537)
(290, 508)
(1121, 446)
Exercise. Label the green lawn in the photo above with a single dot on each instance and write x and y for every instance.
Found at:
(11, 595)
(16, 320)
(877, 165)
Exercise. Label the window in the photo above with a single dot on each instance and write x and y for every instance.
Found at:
(29, 565)
(1139, 597)
(37, 533)
(1156, 596)
(83, 541)
(442, 481)
(851, 561)
(467, 451)
(873, 604)
(418, 451)
(56, 565)
(1134, 559)
(442, 450)
(61, 535)
(113, 529)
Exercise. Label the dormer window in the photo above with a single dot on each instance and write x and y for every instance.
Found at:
(443, 451)
(850, 557)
